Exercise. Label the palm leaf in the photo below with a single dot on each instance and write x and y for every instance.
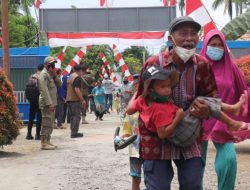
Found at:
(237, 27)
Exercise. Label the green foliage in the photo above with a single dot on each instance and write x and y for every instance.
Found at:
(133, 64)
(22, 31)
(137, 52)
(237, 27)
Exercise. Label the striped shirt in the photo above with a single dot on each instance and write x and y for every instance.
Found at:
(196, 79)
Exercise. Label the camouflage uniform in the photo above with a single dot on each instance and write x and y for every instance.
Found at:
(48, 96)
(87, 81)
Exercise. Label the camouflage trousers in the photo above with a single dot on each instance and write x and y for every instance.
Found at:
(85, 109)
(48, 121)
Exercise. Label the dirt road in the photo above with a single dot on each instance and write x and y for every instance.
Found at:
(87, 163)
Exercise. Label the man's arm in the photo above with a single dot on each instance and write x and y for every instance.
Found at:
(77, 88)
(206, 86)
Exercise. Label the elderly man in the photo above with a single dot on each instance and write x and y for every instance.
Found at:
(48, 83)
(196, 79)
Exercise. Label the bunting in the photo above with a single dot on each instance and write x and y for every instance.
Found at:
(60, 58)
(111, 74)
(122, 64)
(76, 60)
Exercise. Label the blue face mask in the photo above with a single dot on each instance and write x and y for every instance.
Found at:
(215, 53)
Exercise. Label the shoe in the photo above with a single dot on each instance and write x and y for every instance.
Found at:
(96, 118)
(37, 137)
(85, 122)
(77, 135)
(29, 137)
(100, 119)
(63, 127)
(107, 111)
(45, 145)
(56, 127)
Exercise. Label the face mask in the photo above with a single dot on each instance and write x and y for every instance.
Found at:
(125, 82)
(183, 53)
(158, 98)
(215, 53)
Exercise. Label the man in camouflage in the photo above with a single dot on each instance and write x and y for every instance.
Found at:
(48, 83)
(87, 80)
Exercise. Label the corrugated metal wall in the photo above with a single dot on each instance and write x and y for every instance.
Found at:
(19, 77)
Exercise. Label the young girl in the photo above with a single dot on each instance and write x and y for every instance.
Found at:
(161, 116)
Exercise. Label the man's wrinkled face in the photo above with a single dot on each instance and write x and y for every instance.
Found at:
(185, 36)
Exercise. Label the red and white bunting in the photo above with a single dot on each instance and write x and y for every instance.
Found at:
(76, 60)
(60, 58)
(112, 75)
(106, 3)
(122, 64)
(123, 38)
(194, 9)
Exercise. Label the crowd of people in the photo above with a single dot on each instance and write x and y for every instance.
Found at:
(180, 101)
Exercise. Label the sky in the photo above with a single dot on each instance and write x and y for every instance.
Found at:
(219, 18)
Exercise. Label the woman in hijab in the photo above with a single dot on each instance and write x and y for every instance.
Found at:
(230, 84)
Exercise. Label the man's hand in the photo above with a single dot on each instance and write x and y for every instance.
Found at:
(200, 109)
(83, 103)
(52, 108)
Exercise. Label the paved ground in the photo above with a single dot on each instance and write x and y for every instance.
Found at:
(87, 163)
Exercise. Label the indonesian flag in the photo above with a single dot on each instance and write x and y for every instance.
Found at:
(196, 10)
(172, 3)
(165, 3)
(37, 4)
(60, 58)
(102, 3)
(108, 3)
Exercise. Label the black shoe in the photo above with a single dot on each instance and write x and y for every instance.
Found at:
(37, 137)
(29, 137)
(77, 135)
(108, 111)
(100, 119)
(96, 118)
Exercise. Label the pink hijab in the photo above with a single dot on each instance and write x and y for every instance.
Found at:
(230, 84)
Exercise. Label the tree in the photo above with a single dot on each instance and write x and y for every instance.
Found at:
(23, 31)
(137, 52)
(228, 6)
(134, 64)
(182, 6)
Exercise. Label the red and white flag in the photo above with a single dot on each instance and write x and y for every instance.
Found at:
(37, 4)
(60, 58)
(76, 60)
(102, 3)
(166, 2)
(196, 10)
(122, 64)
(111, 74)
(106, 3)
